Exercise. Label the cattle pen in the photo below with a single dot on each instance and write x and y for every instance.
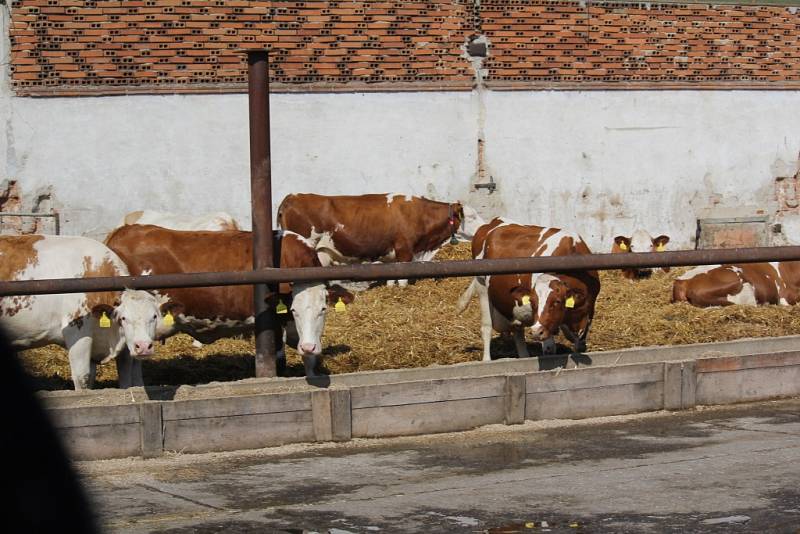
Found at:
(256, 413)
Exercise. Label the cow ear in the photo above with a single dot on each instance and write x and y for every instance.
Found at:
(661, 240)
(336, 292)
(622, 239)
(285, 288)
(99, 309)
(172, 307)
(519, 292)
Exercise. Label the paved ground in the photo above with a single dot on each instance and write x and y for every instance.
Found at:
(727, 470)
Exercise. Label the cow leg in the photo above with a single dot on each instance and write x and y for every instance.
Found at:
(549, 345)
(486, 318)
(519, 341)
(578, 342)
(129, 370)
(310, 364)
(401, 253)
(80, 358)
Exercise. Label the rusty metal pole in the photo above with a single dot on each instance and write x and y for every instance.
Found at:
(261, 205)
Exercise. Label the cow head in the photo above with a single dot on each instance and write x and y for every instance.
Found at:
(470, 223)
(548, 298)
(309, 303)
(455, 219)
(137, 315)
(640, 241)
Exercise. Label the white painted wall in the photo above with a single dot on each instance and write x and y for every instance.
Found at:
(105, 156)
(599, 162)
(606, 162)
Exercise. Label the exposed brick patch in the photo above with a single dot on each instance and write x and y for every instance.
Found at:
(178, 45)
(57, 43)
(615, 42)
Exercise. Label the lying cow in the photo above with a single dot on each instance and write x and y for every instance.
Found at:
(640, 241)
(545, 302)
(746, 283)
(218, 221)
(211, 313)
(93, 327)
(371, 228)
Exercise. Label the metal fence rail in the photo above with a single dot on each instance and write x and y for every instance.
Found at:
(412, 270)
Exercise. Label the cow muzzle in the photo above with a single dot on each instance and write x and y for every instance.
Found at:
(309, 348)
(143, 348)
(540, 332)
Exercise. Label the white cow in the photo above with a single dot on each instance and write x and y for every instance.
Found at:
(93, 327)
(217, 221)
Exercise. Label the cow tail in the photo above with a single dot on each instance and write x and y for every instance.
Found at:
(466, 296)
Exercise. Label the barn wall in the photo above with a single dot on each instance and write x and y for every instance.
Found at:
(600, 162)
(562, 150)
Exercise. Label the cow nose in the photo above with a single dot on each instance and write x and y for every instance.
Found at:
(143, 348)
(538, 332)
(308, 348)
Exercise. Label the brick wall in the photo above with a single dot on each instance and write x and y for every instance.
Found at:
(106, 46)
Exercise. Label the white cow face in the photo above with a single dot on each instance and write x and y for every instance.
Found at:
(137, 315)
(309, 304)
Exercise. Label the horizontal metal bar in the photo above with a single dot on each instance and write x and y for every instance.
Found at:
(26, 214)
(733, 220)
(394, 271)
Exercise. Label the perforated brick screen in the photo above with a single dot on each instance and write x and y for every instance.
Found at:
(100, 46)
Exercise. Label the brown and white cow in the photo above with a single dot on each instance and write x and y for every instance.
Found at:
(93, 327)
(639, 241)
(546, 302)
(371, 228)
(211, 313)
(746, 283)
(217, 221)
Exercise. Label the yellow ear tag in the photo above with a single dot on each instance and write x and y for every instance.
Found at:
(281, 308)
(623, 246)
(570, 302)
(340, 306)
(660, 247)
(169, 320)
(105, 322)
(526, 300)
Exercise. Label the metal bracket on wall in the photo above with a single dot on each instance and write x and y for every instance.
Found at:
(491, 185)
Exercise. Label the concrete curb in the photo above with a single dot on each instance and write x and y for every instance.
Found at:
(395, 403)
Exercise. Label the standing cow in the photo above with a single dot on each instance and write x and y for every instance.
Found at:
(376, 227)
(211, 313)
(746, 283)
(639, 241)
(544, 302)
(93, 327)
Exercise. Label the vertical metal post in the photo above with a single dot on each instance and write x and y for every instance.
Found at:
(261, 205)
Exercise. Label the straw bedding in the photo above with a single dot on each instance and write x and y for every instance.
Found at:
(388, 327)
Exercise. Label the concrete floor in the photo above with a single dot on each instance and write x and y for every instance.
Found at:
(734, 469)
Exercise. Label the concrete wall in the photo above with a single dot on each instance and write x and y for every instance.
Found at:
(253, 414)
(599, 162)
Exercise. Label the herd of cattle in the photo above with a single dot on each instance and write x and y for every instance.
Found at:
(317, 230)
